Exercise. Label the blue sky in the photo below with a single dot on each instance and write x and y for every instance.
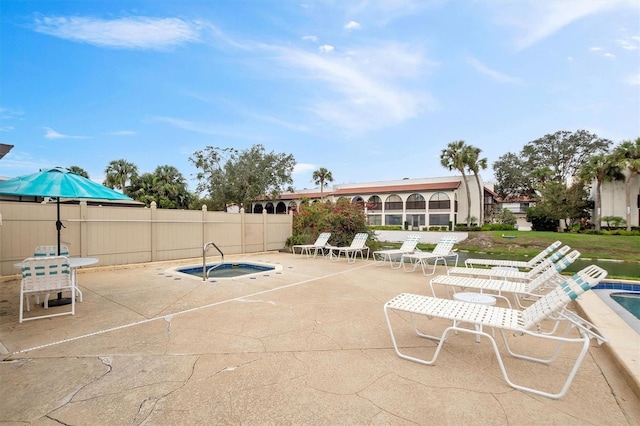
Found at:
(370, 90)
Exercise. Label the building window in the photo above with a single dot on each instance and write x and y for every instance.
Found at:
(393, 219)
(374, 203)
(374, 219)
(416, 202)
(281, 208)
(393, 202)
(439, 201)
(416, 220)
(438, 220)
(257, 208)
(269, 208)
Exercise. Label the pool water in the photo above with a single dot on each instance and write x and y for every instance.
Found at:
(227, 270)
(629, 301)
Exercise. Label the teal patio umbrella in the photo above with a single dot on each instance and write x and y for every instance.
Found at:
(59, 183)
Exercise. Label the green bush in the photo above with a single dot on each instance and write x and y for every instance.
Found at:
(498, 227)
(540, 221)
(386, 227)
(343, 219)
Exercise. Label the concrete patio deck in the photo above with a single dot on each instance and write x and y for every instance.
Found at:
(309, 345)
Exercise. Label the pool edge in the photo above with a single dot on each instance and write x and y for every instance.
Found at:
(623, 341)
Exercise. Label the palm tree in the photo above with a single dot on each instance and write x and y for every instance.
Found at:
(321, 177)
(118, 172)
(79, 171)
(600, 167)
(455, 157)
(475, 164)
(628, 156)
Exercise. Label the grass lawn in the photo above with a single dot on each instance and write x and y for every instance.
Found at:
(529, 243)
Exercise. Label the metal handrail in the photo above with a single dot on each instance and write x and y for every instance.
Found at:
(205, 272)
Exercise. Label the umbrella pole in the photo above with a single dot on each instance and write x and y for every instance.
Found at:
(59, 301)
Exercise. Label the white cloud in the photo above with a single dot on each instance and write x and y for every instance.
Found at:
(596, 49)
(633, 80)
(628, 44)
(310, 38)
(125, 33)
(609, 55)
(363, 90)
(206, 128)
(301, 168)
(352, 25)
(498, 76)
(537, 20)
(325, 48)
(52, 134)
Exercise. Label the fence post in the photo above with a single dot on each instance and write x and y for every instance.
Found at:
(84, 230)
(154, 231)
(265, 234)
(242, 230)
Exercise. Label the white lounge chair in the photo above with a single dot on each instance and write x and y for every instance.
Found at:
(498, 287)
(351, 252)
(318, 245)
(515, 263)
(510, 322)
(442, 251)
(408, 246)
(556, 260)
(45, 275)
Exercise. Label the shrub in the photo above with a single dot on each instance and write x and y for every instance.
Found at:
(343, 219)
(540, 221)
(498, 227)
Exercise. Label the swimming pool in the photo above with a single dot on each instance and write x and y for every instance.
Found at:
(227, 270)
(623, 297)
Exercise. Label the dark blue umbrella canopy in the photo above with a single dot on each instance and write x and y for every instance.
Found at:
(59, 183)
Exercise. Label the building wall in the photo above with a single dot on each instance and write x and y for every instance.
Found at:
(124, 235)
(614, 200)
(354, 192)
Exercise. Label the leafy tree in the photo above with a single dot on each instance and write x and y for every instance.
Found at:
(118, 173)
(601, 167)
(475, 164)
(507, 217)
(627, 155)
(321, 177)
(166, 186)
(231, 176)
(562, 153)
(512, 177)
(555, 157)
(79, 171)
(455, 157)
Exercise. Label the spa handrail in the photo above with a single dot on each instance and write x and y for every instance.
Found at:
(205, 272)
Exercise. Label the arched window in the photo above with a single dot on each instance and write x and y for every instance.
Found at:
(269, 208)
(292, 207)
(281, 208)
(416, 202)
(375, 203)
(257, 208)
(393, 202)
(439, 201)
(359, 201)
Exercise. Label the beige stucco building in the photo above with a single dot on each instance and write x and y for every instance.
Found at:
(420, 203)
(614, 200)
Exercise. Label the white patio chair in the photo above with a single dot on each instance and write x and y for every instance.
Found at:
(45, 275)
(442, 251)
(408, 246)
(52, 250)
(318, 245)
(531, 290)
(510, 322)
(531, 263)
(556, 260)
(351, 252)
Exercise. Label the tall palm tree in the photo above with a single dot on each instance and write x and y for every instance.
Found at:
(322, 177)
(601, 167)
(628, 156)
(455, 157)
(118, 172)
(79, 171)
(475, 164)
